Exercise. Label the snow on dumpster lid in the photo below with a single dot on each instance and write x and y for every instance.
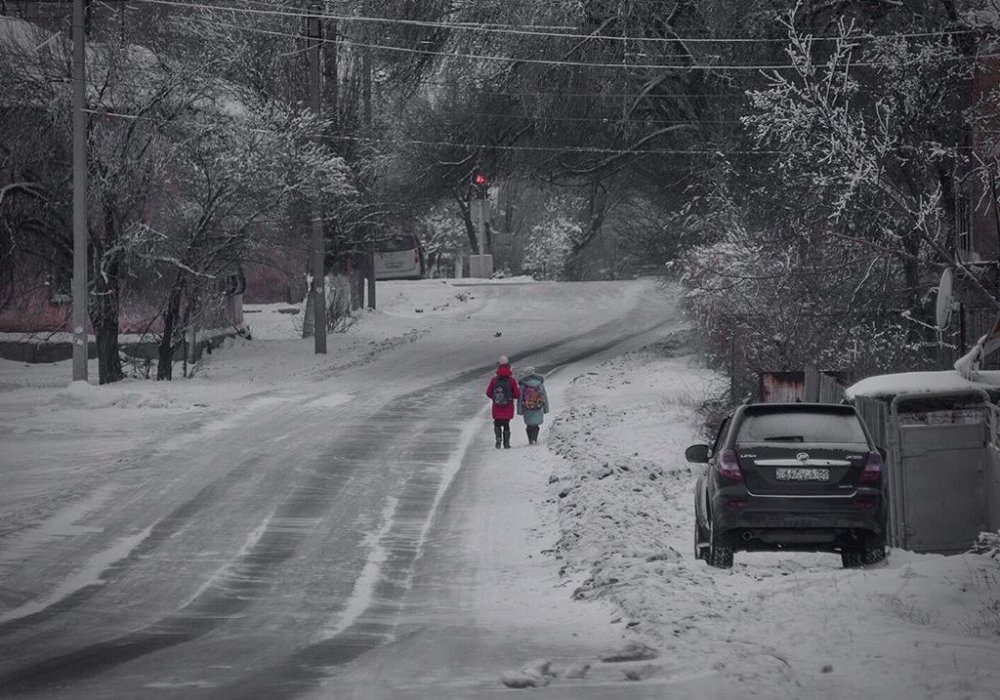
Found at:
(887, 385)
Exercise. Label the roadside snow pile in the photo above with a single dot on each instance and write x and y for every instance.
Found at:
(126, 394)
(622, 446)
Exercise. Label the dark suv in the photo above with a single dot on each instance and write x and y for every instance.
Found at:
(790, 476)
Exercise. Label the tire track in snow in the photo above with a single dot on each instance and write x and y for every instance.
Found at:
(369, 617)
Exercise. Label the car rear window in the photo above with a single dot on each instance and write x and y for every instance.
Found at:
(801, 426)
(397, 244)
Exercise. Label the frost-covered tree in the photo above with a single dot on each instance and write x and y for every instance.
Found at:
(823, 246)
(553, 238)
(240, 165)
(132, 98)
(873, 136)
(186, 173)
(444, 239)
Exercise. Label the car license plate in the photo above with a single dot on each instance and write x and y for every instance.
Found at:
(801, 474)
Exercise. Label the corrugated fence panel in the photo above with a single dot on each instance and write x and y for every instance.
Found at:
(822, 387)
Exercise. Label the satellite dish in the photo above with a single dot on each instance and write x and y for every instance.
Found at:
(944, 300)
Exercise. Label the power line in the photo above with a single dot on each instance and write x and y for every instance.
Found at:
(597, 150)
(560, 62)
(519, 30)
(454, 55)
(600, 120)
(735, 95)
(475, 26)
(470, 146)
(592, 149)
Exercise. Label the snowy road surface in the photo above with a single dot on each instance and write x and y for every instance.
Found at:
(340, 526)
(254, 545)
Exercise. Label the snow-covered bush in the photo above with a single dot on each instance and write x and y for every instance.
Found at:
(338, 303)
(552, 239)
(987, 544)
(444, 240)
(761, 307)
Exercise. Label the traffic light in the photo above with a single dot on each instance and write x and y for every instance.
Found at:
(479, 184)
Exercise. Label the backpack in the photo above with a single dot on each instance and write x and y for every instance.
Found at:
(532, 398)
(501, 392)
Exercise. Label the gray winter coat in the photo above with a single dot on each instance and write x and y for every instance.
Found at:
(537, 415)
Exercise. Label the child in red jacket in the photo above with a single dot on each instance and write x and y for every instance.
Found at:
(503, 392)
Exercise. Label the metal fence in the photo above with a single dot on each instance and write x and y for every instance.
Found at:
(822, 387)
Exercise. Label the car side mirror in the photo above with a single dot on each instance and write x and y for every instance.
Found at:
(697, 453)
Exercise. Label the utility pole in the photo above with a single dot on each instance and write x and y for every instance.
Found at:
(314, 32)
(366, 85)
(332, 75)
(81, 343)
(481, 225)
(370, 273)
(480, 265)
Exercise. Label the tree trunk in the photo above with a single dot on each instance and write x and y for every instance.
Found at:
(104, 317)
(470, 226)
(165, 364)
(597, 210)
(358, 278)
(104, 311)
(187, 330)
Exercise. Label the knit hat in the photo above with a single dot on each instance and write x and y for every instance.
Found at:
(503, 360)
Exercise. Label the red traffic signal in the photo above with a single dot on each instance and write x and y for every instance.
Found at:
(479, 184)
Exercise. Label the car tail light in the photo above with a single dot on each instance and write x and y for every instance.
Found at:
(729, 466)
(873, 468)
(866, 502)
(737, 503)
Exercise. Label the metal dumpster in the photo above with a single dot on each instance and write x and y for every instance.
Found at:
(943, 466)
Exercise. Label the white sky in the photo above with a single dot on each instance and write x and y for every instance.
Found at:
(604, 507)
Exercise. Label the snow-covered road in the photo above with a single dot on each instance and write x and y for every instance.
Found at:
(261, 528)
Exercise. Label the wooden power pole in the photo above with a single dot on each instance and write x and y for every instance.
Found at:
(314, 32)
(81, 344)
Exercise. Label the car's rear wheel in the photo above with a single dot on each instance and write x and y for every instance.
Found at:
(851, 557)
(720, 552)
(874, 551)
(700, 551)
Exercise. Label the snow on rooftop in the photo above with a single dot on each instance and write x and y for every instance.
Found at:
(888, 385)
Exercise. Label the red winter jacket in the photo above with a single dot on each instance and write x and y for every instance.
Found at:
(504, 412)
